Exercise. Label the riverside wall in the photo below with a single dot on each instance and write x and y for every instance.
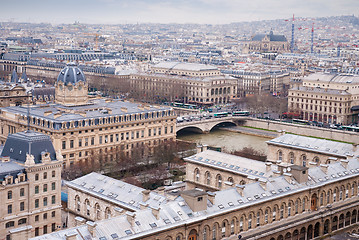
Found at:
(339, 135)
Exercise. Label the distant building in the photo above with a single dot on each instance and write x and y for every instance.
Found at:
(267, 43)
(81, 127)
(327, 98)
(189, 82)
(30, 192)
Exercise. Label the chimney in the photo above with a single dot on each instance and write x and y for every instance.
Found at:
(118, 211)
(79, 221)
(268, 166)
(324, 168)
(211, 196)
(143, 205)
(240, 189)
(131, 217)
(228, 185)
(199, 148)
(161, 190)
(91, 228)
(145, 195)
(205, 147)
(287, 177)
(156, 212)
(299, 173)
(263, 184)
(71, 236)
(251, 179)
(276, 173)
(344, 163)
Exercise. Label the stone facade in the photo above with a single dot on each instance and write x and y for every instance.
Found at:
(31, 199)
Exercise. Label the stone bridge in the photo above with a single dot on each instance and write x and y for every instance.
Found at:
(206, 125)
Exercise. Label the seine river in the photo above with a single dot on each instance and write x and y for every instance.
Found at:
(226, 139)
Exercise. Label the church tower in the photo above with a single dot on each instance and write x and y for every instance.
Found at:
(71, 87)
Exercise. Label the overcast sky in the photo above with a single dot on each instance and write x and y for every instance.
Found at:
(169, 11)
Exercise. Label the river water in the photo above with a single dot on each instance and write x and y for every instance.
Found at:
(228, 140)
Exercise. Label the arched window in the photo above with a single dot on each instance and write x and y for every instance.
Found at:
(258, 218)
(321, 201)
(250, 221)
(107, 213)
(328, 197)
(280, 156)
(291, 157)
(97, 211)
(296, 206)
(214, 232)
(316, 160)
(77, 203)
(241, 224)
(335, 195)
(223, 230)
(274, 214)
(219, 181)
(205, 237)
(232, 227)
(266, 216)
(87, 207)
(230, 180)
(303, 205)
(341, 193)
(208, 178)
(21, 221)
(196, 175)
(289, 209)
(282, 211)
(10, 224)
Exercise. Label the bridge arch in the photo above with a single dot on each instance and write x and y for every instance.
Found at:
(196, 129)
(224, 123)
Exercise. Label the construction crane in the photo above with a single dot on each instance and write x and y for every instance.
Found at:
(292, 40)
(96, 39)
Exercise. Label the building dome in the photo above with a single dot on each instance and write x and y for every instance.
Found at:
(71, 74)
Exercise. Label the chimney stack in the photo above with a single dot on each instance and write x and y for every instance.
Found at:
(324, 168)
(156, 212)
(131, 217)
(143, 205)
(145, 195)
(268, 166)
(240, 189)
(211, 196)
(91, 228)
(344, 163)
(263, 184)
(71, 236)
(287, 177)
(79, 221)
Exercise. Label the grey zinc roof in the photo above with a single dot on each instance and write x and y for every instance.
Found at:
(19, 144)
(320, 90)
(185, 66)
(121, 193)
(91, 110)
(229, 162)
(272, 37)
(335, 78)
(313, 144)
(177, 213)
(71, 74)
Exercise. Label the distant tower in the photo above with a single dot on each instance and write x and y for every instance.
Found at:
(292, 41)
(14, 77)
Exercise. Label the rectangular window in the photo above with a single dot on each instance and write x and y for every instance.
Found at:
(53, 214)
(127, 135)
(137, 134)
(171, 129)
(45, 201)
(122, 136)
(45, 188)
(53, 227)
(92, 141)
(36, 189)
(22, 206)
(100, 140)
(165, 130)
(53, 186)
(45, 229)
(117, 138)
(53, 199)
(9, 209)
(37, 232)
(159, 131)
(36, 203)
(80, 142)
(111, 138)
(36, 218)
(142, 133)
(132, 135)
(149, 132)
(80, 154)
(106, 139)
(63, 144)
(22, 192)
(71, 143)
(45, 216)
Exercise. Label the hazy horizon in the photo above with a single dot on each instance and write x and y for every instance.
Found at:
(170, 11)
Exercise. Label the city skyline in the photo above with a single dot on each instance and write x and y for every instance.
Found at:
(175, 11)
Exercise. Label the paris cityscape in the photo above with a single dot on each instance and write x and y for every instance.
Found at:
(179, 120)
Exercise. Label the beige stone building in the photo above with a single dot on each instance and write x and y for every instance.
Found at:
(81, 127)
(30, 190)
(287, 202)
(267, 43)
(308, 152)
(189, 82)
(94, 197)
(327, 98)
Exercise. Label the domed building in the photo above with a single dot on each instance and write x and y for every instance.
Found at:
(71, 87)
(82, 127)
